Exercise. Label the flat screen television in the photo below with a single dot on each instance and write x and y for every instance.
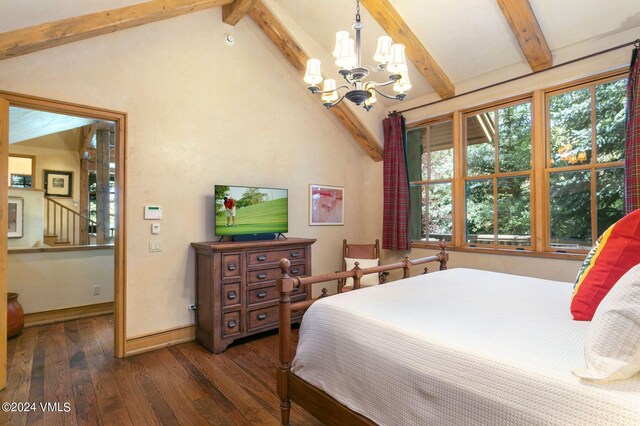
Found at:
(243, 210)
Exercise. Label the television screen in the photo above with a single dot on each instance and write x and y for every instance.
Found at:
(244, 210)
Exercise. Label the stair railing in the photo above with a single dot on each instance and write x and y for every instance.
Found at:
(66, 224)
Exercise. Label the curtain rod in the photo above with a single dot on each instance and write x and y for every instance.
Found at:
(635, 42)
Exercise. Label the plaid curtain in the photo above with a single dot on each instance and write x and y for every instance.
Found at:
(396, 215)
(632, 143)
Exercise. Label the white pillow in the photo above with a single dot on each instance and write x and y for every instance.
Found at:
(612, 350)
(366, 280)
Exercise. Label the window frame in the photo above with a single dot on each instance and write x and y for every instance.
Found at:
(592, 166)
(539, 173)
(424, 125)
(496, 175)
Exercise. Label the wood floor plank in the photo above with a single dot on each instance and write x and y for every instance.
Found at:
(19, 376)
(36, 388)
(58, 389)
(106, 389)
(85, 405)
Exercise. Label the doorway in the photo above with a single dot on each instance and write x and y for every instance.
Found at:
(113, 125)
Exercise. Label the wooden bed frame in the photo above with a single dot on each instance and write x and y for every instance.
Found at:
(292, 388)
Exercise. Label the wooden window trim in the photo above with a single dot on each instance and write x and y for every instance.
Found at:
(593, 166)
(539, 172)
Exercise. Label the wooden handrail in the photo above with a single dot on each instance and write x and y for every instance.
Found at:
(285, 284)
(68, 227)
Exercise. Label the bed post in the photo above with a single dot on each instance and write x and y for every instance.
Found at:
(444, 256)
(284, 284)
(407, 267)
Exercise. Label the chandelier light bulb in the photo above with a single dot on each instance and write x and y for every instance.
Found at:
(340, 35)
(403, 84)
(313, 77)
(398, 63)
(383, 52)
(346, 58)
(330, 88)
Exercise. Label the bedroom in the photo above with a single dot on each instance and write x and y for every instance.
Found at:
(200, 112)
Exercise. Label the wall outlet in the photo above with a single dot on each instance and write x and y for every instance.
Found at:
(96, 290)
(192, 307)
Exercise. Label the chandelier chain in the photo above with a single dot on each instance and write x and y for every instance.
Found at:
(357, 10)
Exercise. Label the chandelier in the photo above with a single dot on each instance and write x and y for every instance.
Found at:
(390, 57)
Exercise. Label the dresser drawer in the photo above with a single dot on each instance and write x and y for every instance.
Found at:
(231, 295)
(265, 317)
(274, 256)
(266, 294)
(231, 323)
(231, 267)
(266, 275)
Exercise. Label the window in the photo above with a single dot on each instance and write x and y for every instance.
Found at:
(542, 172)
(430, 167)
(586, 131)
(498, 176)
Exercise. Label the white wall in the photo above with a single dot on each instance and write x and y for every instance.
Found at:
(32, 218)
(60, 279)
(200, 113)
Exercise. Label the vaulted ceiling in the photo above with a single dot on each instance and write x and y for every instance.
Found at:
(453, 46)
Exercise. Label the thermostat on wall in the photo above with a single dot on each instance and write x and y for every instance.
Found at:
(152, 212)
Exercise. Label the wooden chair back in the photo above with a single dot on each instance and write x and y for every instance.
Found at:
(360, 251)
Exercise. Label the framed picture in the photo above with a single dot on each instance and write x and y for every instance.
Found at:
(16, 216)
(326, 205)
(58, 184)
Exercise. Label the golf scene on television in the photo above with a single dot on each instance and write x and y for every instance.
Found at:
(251, 210)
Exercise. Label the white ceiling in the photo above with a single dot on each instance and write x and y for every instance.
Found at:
(26, 124)
(471, 39)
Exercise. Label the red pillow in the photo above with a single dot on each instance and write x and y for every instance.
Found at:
(615, 252)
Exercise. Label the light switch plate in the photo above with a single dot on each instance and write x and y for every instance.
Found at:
(155, 246)
(155, 228)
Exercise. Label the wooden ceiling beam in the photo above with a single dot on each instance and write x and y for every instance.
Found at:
(525, 27)
(278, 34)
(234, 12)
(391, 21)
(56, 33)
(89, 131)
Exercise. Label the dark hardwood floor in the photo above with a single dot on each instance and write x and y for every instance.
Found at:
(65, 374)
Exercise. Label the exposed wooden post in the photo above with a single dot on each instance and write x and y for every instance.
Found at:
(406, 269)
(285, 285)
(83, 199)
(103, 217)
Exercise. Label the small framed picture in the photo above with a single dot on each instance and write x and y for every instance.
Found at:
(57, 183)
(326, 205)
(16, 216)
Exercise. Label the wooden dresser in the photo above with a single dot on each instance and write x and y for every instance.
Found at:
(236, 293)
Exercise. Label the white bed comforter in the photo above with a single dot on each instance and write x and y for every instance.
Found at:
(459, 347)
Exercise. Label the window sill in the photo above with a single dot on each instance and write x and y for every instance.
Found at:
(502, 252)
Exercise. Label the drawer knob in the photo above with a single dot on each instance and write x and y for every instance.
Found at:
(261, 276)
(231, 266)
(232, 323)
(294, 271)
(262, 317)
(295, 254)
(231, 295)
(262, 258)
(262, 295)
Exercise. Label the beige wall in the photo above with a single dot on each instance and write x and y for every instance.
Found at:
(32, 218)
(43, 279)
(200, 113)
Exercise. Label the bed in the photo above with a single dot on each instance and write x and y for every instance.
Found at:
(457, 346)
